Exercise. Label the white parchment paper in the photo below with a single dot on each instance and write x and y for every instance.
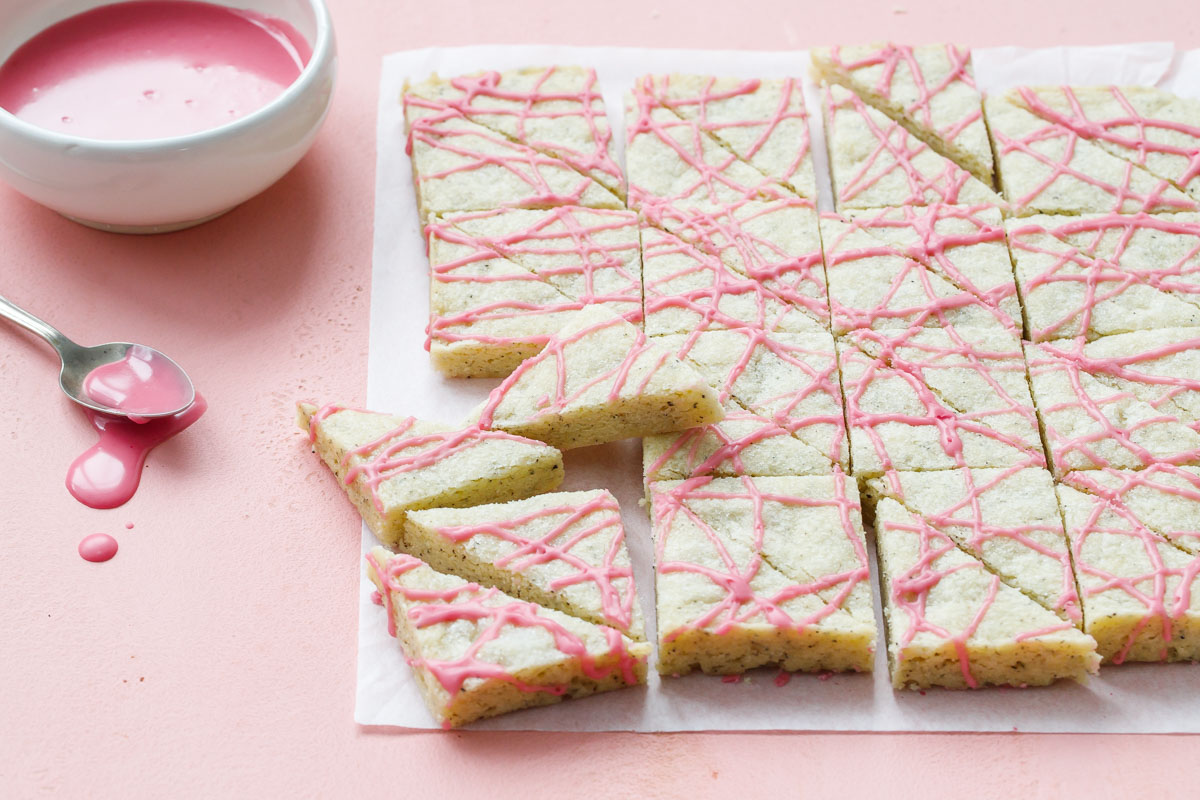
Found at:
(1130, 698)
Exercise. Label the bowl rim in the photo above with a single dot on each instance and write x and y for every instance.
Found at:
(323, 51)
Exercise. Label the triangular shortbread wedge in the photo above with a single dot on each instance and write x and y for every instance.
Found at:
(502, 282)
(1141, 595)
(776, 243)
(761, 571)
(875, 162)
(963, 244)
(459, 165)
(1006, 517)
(686, 289)
(932, 398)
(563, 550)
(743, 443)
(389, 464)
(1164, 498)
(1098, 275)
(874, 285)
(762, 120)
(478, 652)
(1046, 168)
(929, 89)
(672, 162)
(952, 623)
(1151, 127)
(557, 110)
(790, 379)
(599, 379)
(1126, 401)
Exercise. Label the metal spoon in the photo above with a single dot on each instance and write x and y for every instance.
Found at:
(79, 361)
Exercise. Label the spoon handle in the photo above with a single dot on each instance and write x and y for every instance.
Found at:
(31, 323)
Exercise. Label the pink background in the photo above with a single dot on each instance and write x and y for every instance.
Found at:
(214, 656)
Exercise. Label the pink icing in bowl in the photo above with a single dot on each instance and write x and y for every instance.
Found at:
(151, 185)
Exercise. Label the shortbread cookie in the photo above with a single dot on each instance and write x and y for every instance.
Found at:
(1102, 274)
(687, 289)
(963, 244)
(875, 162)
(1163, 497)
(930, 90)
(599, 380)
(1007, 518)
(761, 571)
(1125, 401)
(1046, 168)
(672, 162)
(873, 285)
(459, 165)
(390, 464)
(555, 110)
(503, 282)
(790, 379)
(1141, 597)
(931, 399)
(564, 550)
(952, 623)
(763, 121)
(478, 652)
(776, 243)
(1150, 127)
(743, 443)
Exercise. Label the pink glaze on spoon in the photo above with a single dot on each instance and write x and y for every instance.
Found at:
(144, 382)
(108, 474)
(98, 547)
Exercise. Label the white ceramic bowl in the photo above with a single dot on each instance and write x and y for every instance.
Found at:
(159, 185)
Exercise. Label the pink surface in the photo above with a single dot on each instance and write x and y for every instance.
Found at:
(214, 655)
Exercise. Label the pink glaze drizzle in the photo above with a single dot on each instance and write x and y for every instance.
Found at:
(1088, 251)
(893, 142)
(891, 56)
(143, 382)
(527, 111)
(1140, 142)
(469, 602)
(385, 457)
(599, 516)
(726, 457)
(574, 237)
(108, 473)
(97, 547)
(741, 604)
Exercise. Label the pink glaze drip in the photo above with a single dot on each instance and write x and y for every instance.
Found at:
(108, 474)
(816, 375)
(1140, 142)
(1124, 198)
(97, 547)
(894, 141)
(572, 525)
(1100, 271)
(790, 108)
(151, 68)
(741, 605)
(891, 56)
(474, 98)
(469, 602)
(783, 679)
(143, 382)
(572, 234)
(616, 378)
(386, 457)
(727, 456)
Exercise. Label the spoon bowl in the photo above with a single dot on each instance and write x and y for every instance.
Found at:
(113, 378)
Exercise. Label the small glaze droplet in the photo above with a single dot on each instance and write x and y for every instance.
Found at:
(98, 547)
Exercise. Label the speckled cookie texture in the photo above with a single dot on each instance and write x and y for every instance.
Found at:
(477, 652)
(761, 571)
